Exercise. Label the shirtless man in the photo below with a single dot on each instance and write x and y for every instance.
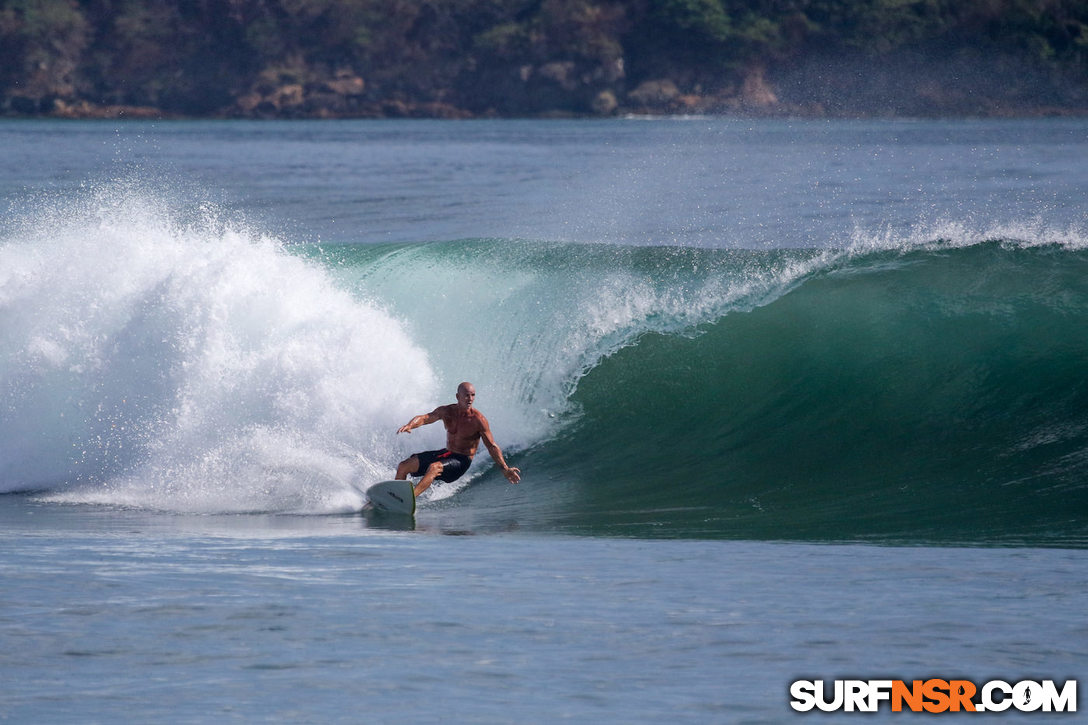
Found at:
(465, 428)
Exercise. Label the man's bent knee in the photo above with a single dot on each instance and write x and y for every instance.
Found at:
(408, 466)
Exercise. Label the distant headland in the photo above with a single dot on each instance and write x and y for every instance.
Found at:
(542, 58)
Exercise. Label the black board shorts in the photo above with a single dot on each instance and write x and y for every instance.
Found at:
(454, 465)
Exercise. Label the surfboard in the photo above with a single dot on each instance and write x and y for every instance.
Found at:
(394, 497)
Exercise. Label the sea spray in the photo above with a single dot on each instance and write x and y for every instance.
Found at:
(190, 366)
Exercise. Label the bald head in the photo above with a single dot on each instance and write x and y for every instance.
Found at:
(466, 395)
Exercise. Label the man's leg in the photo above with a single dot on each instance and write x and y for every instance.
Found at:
(433, 472)
(407, 467)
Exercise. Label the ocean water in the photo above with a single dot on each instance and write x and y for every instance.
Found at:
(791, 399)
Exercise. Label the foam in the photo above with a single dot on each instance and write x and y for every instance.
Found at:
(190, 365)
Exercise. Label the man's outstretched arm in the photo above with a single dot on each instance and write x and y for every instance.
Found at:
(513, 475)
(420, 420)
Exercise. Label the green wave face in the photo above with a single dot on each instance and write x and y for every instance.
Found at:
(935, 394)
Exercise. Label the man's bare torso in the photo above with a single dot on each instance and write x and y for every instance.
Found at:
(463, 429)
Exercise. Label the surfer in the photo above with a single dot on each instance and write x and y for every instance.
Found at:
(465, 428)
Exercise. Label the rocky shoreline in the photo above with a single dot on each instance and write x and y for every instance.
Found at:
(556, 90)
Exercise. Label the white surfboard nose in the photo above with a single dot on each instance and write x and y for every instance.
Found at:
(397, 497)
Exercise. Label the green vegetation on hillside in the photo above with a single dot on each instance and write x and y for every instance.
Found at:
(315, 58)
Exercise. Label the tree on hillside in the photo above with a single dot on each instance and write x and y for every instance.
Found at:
(41, 46)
